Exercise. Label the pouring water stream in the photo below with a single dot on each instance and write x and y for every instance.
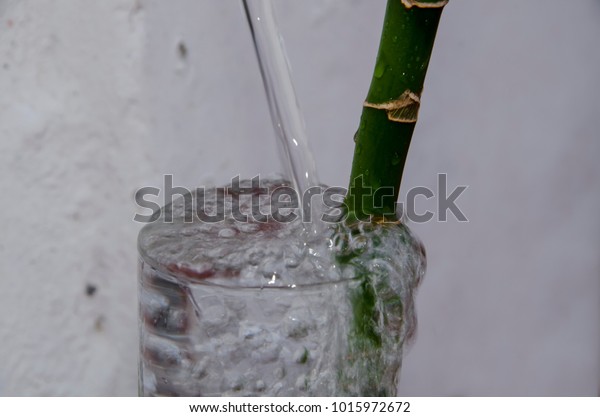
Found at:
(285, 111)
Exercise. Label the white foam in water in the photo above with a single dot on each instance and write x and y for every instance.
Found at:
(253, 308)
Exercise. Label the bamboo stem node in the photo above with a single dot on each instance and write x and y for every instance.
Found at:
(405, 109)
(423, 4)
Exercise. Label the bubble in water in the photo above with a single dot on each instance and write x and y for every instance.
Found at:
(225, 233)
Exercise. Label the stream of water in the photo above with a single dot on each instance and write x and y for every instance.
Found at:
(286, 115)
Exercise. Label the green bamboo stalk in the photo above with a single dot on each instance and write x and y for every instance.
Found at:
(391, 108)
(382, 141)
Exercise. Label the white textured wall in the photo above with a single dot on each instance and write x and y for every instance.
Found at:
(97, 100)
(72, 134)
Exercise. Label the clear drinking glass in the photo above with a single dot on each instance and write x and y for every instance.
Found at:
(250, 308)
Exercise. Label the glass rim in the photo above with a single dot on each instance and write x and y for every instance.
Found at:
(182, 279)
